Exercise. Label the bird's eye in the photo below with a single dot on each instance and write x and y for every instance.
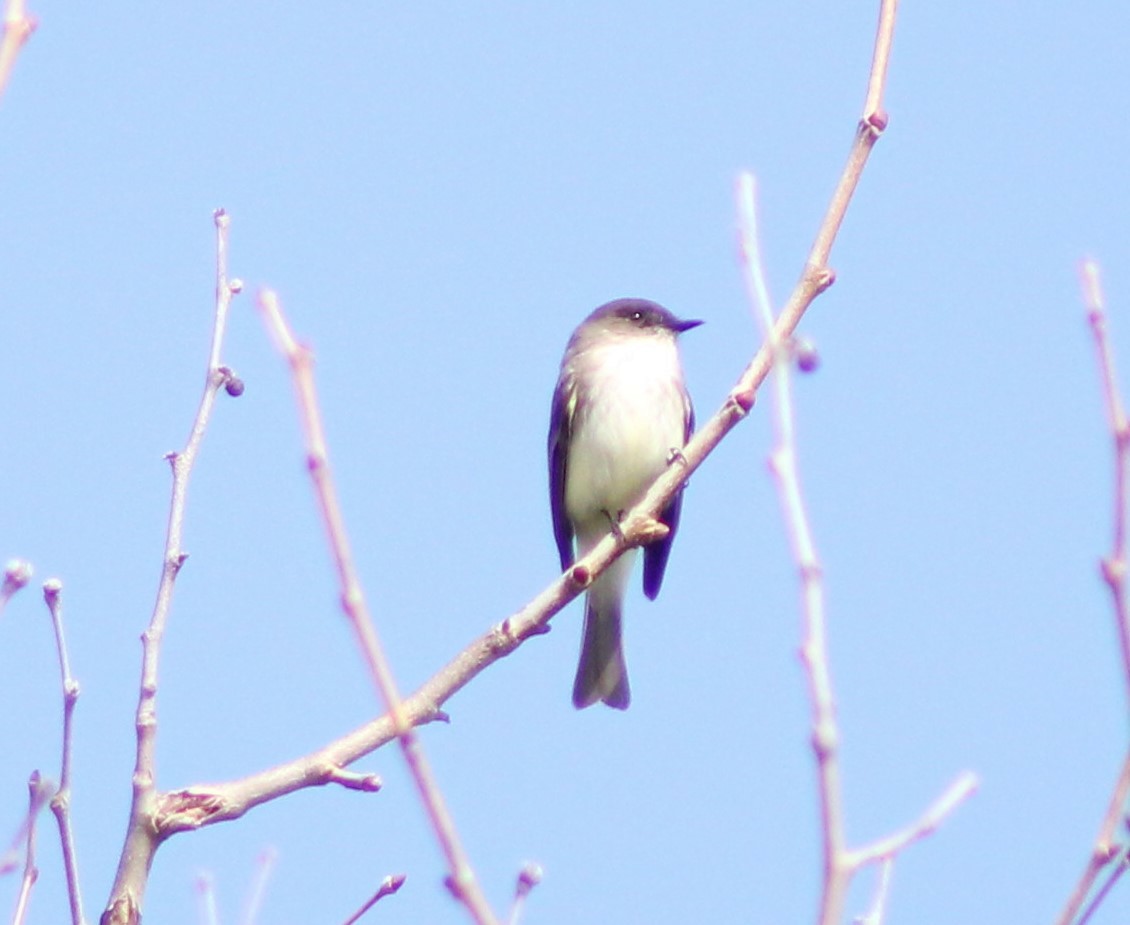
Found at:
(637, 316)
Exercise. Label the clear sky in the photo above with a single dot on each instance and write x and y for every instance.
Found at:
(440, 193)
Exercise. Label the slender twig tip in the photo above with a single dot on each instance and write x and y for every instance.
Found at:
(1092, 286)
(807, 356)
(529, 877)
(17, 573)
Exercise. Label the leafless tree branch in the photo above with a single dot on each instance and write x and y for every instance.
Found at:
(529, 877)
(461, 876)
(390, 885)
(1108, 846)
(17, 573)
(840, 863)
(61, 801)
(38, 792)
(18, 27)
(142, 835)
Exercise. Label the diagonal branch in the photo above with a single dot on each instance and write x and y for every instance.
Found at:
(840, 863)
(389, 886)
(1108, 846)
(236, 797)
(204, 804)
(461, 880)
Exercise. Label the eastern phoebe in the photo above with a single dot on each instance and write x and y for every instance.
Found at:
(621, 414)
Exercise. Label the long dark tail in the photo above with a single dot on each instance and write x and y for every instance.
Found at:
(602, 673)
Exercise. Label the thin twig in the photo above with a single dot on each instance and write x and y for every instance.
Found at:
(874, 915)
(126, 897)
(61, 802)
(783, 464)
(353, 780)
(17, 573)
(39, 791)
(871, 126)
(960, 790)
(529, 877)
(1107, 845)
(1114, 565)
(18, 27)
(264, 867)
(389, 885)
(1113, 875)
(10, 860)
(840, 864)
(206, 894)
(461, 877)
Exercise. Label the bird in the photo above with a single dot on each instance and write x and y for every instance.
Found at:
(621, 414)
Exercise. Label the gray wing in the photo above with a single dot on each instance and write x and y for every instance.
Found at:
(655, 554)
(558, 451)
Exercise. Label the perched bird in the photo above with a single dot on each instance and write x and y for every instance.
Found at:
(621, 414)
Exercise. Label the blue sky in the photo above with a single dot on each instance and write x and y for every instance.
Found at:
(439, 195)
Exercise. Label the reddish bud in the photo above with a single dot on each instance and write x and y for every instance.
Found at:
(807, 356)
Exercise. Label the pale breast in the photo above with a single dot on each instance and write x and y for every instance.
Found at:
(632, 419)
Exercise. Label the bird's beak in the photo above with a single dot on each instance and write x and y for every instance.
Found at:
(682, 326)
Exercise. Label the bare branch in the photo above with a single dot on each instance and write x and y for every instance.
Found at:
(825, 735)
(529, 877)
(38, 792)
(206, 894)
(351, 780)
(264, 867)
(206, 804)
(124, 907)
(18, 27)
(61, 802)
(1112, 877)
(885, 849)
(874, 915)
(871, 125)
(17, 573)
(1107, 846)
(10, 859)
(840, 864)
(391, 884)
(1114, 565)
(461, 876)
